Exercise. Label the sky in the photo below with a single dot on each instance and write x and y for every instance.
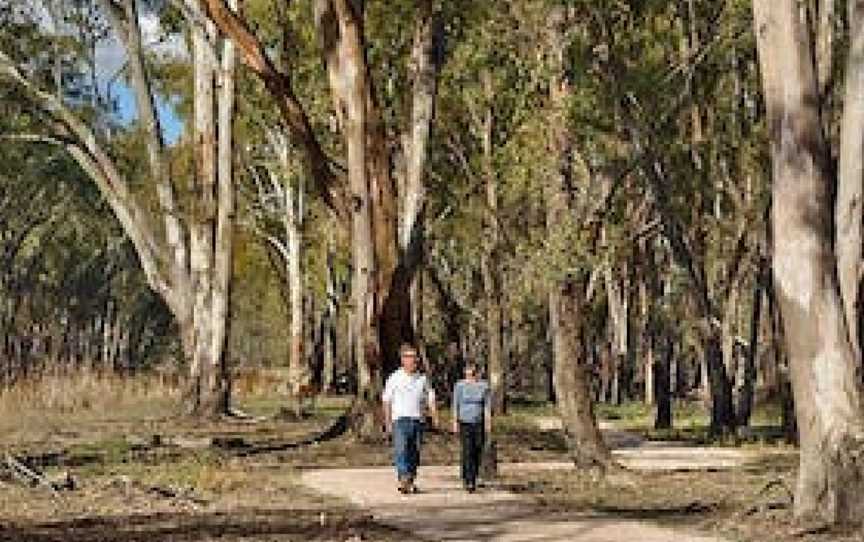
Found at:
(172, 126)
(110, 58)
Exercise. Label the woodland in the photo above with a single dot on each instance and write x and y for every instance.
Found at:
(604, 203)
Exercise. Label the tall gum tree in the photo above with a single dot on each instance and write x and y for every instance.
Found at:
(365, 196)
(824, 365)
(567, 298)
(186, 260)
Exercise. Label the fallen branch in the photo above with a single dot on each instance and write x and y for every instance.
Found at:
(32, 477)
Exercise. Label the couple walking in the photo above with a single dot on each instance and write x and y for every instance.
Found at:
(407, 394)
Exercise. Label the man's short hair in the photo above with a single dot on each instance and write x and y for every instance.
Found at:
(407, 347)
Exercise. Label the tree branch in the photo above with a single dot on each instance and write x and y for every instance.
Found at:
(330, 186)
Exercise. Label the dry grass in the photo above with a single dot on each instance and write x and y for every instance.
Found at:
(84, 391)
(103, 429)
(192, 500)
(89, 414)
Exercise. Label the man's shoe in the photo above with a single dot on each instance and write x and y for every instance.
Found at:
(404, 485)
(470, 487)
(411, 488)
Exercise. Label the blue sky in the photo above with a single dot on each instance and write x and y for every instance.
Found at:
(111, 58)
(172, 126)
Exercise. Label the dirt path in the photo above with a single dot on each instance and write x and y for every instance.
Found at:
(442, 511)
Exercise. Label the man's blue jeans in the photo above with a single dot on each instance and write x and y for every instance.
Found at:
(407, 438)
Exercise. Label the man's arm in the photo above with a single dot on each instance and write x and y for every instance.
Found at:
(386, 398)
(387, 421)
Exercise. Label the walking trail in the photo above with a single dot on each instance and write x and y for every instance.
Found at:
(443, 511)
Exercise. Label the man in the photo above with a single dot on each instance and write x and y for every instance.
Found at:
(406, 393)
(472, 419)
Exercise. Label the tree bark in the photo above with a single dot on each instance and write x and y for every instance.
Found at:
(823, 362)
(848, 209)
(825, 42)
(572, 389)
(292, 222)
(400, 254)
(331, 317)
(647, 343)
(618, 299)
(352, 102)
(204, 395)
(224, 227)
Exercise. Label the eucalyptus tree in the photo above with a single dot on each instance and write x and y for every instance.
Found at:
(364, 194)
(186, 257)
(810, 264)
(276, 216)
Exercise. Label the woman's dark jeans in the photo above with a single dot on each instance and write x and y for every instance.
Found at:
(473, 438)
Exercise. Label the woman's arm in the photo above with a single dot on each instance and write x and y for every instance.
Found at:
(487, 412)
(454, 410)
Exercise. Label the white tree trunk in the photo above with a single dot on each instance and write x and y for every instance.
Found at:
(224, 234)
(202, 222)
(424, 87)
(823, 364)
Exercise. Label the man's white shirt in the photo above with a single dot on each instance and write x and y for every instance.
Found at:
(407, 394)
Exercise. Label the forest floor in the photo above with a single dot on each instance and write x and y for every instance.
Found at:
(143, 474)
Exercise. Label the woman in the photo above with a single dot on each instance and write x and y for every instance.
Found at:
(472, 419)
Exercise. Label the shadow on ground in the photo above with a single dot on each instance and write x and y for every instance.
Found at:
(516, 521)
(245, 524)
